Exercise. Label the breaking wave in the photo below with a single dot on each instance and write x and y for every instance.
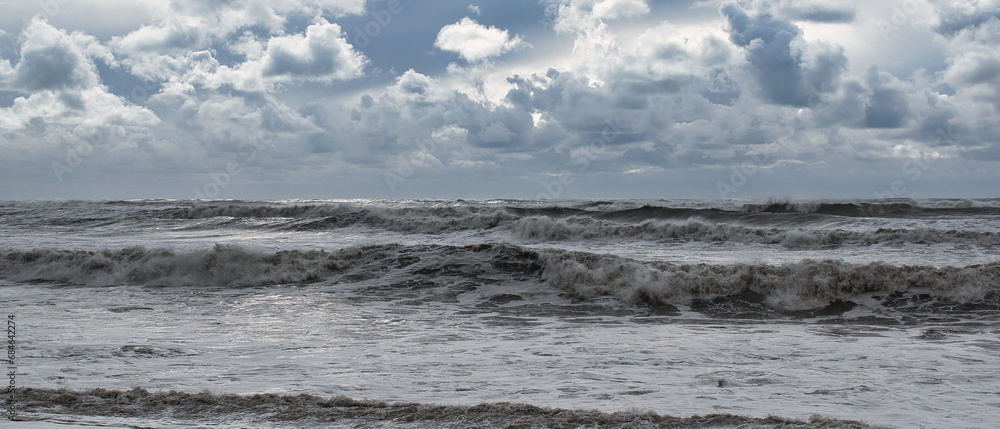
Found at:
(882, 208)
(799, 285)
(222, 265)
(792, 225)
(309, 410)
(534, 225)
(236, 266)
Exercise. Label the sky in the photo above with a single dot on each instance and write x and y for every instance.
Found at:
(548, 99)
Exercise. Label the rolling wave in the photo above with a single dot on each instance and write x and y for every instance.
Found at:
(542, 229)
(792, 286)
(792, 225)
(800, 285)
(883, 208)
(309, 410)
(222, 265)
(619, 210)
(634, 211)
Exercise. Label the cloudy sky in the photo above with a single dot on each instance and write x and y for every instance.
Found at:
(499, 98)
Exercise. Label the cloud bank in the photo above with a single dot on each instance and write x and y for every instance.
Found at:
(579, 98)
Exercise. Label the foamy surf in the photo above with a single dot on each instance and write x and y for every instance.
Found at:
(270, 410)
(791, 286)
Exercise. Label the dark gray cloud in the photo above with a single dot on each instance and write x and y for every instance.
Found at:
(778, 59)
(820, 13)
(954, 20)
(51, 61)
(51, 67)
(888, 107)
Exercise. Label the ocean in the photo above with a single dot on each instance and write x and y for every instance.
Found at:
(502, 313)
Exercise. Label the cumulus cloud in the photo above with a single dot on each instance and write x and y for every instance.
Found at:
(52, 60)
(974, 61)
(244, 31)
(194, 24)
(974, 68)
(954, 17)
(177, 34)
(888, 107)
(788, 70)
(617, 9)
(58, 84)
(575, 15)
(321, 54)
(475, 42)
(596, 50)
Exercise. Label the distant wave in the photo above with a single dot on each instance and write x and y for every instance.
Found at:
(540, 229)
(624, 210)
(792, 225)
(804, 284)
(643, 223)
(882, 208)
(309, 410)
(635, 210)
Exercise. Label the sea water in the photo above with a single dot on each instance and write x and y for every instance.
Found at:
(884, 312)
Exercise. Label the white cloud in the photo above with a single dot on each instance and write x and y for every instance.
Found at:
(51, 60)
(476, 42)
(162, 50)
(582, 15)
(59, 86)
(618, 9)
(596, 51)
(322, 54)
(175, 35)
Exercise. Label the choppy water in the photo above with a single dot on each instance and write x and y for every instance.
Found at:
(884, 312)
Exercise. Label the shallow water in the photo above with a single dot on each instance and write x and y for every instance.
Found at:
(314, 340)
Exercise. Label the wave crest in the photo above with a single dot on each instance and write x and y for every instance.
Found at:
(801, 285)
(541, 229)
(309, 410)
(222, 265)
(792, 286)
